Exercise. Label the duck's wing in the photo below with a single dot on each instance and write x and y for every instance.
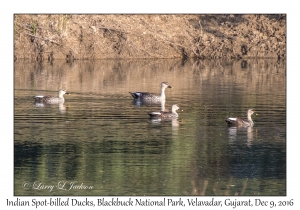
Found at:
(42, 98)
(155, 114)
(135, 95)
(140, 95)
(232, 121)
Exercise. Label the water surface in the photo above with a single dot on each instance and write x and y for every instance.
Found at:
(103, 140)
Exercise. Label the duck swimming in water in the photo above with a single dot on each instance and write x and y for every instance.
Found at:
(166, 115)
(146, 96)
(51, 99)
(233, 121)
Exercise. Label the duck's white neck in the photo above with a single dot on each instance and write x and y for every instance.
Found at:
(61, 95)
(174, 111)
(249, 117)
(162, 105)
(162, 93)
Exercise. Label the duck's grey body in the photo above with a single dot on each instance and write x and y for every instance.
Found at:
(146, 96)
(51, 99)
(241, 122)
(166, 115)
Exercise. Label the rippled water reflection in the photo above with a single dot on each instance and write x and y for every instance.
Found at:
(103, 138)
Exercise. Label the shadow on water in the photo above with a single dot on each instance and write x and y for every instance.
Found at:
(101, 137)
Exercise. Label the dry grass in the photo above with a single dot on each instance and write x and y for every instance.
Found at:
(69, 37)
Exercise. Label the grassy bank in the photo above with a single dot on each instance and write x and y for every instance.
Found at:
(70, 37)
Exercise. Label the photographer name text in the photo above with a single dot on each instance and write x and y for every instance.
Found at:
(62, 185)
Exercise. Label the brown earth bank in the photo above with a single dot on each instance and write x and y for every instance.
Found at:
(76, 37)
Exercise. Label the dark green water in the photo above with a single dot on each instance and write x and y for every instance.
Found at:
(102, 140)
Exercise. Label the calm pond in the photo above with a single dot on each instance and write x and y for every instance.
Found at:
(102, 142)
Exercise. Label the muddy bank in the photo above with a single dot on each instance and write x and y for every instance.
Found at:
(77, 37)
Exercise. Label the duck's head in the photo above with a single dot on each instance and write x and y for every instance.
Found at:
(62, 92)
(176, 107)
(251, 112)
(165, 85)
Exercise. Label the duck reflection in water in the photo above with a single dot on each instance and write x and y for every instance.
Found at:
(160, 121)
(61, 106)
(235, 132)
